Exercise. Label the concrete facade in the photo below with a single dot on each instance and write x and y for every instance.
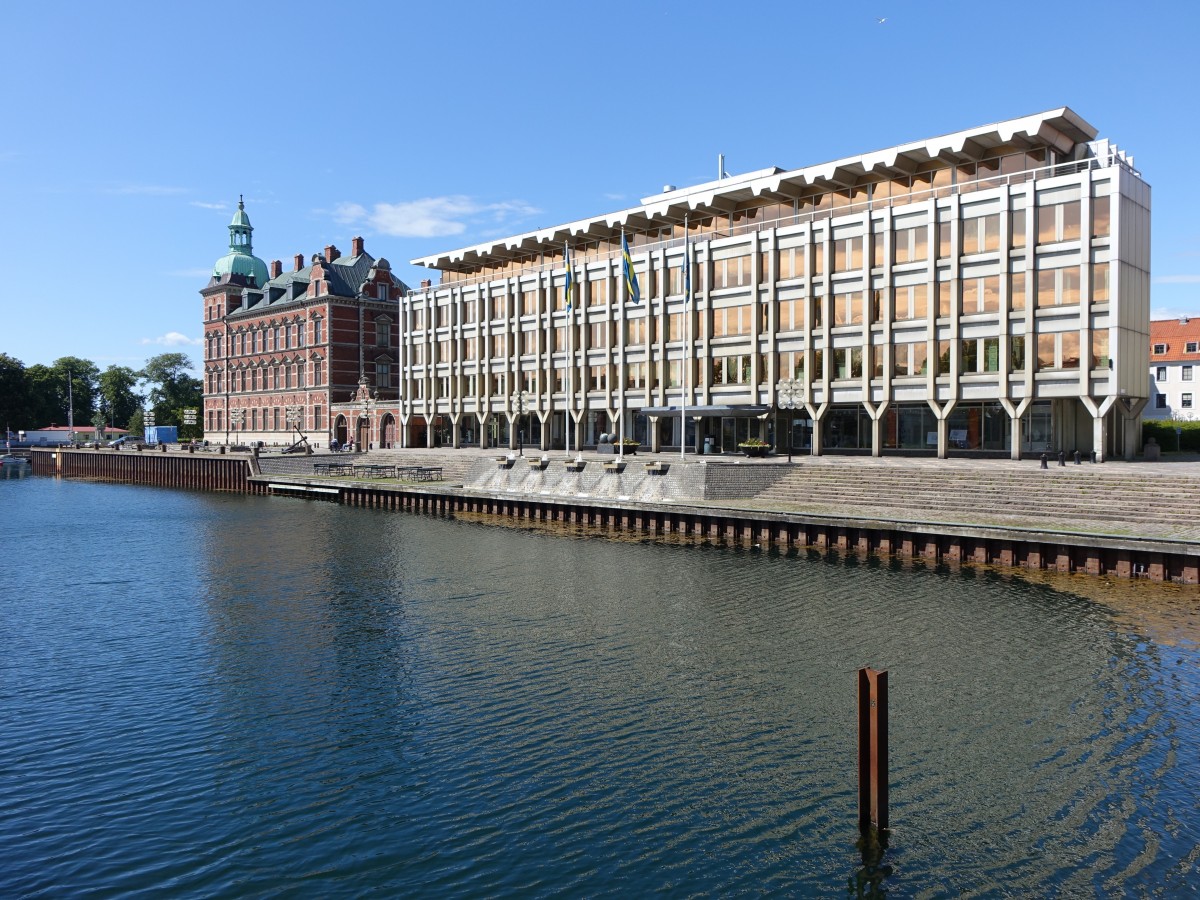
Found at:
(985, 291)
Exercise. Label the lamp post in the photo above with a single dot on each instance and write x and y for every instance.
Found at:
(522, 402)
(237, 418)
(789, 395)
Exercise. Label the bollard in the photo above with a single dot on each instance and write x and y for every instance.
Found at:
(1093, 457)
(1045, 459)
(1078, 457)
(872, 750)
(1062, 457)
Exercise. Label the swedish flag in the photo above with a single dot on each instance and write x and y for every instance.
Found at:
(631, 281)
(567, 287)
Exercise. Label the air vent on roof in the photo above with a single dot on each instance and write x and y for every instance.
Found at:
(667, 188)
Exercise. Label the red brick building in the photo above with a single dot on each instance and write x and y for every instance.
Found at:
(284, 348)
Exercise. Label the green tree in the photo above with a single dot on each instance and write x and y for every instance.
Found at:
(45, 407)
(118, 394)
(172, 388)
(15, 409)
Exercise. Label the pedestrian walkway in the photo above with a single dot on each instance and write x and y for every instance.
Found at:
(1158, 500)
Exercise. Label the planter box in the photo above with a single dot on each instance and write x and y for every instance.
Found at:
(656, 468)
(575, 466)
(755, 451)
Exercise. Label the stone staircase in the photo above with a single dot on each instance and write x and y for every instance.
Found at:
(1124, 498)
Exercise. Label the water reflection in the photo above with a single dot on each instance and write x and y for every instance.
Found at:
(335, 700)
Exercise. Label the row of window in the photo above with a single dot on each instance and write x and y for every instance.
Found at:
(1053, 352)
(974, 294)
(1160, 373)
(278, 378)
(268, 418)
(1057, 287)
(981, 234)
(1185, 401)
(1188, 347)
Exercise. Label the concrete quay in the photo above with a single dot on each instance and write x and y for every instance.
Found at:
(1116, 518)
(1113, 519)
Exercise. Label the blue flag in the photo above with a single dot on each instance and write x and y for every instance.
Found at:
(631, 280)
(567, 286)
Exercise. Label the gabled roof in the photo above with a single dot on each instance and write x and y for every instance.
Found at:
(1176, 334)
(343, 278)
(1059, 128)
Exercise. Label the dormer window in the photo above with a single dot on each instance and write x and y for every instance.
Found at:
(1191, 347)
(1160, 349)
(381, 291)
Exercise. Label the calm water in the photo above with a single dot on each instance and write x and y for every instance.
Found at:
(205, 695)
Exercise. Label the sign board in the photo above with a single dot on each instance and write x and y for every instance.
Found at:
(958, 434)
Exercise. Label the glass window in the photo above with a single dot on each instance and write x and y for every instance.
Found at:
(1187, 373)
(1017, 228)
(598, 292)
(943, 348)
(1070, 350)
(1185, 402)
(1016, 353)
(1045, 351)
(1100, 348)
(1100, 216)
(968, 360)
(1160, 401)
(1160, 373)
(945, 291)
(1160, 348)
(1190, 346)
(991, 354)
(1100, 283)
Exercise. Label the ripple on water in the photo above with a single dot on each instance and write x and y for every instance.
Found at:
(254, 696)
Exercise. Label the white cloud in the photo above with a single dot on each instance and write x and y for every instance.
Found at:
(173, 339)
(430, 216)
(217, 206)
(1177, 279)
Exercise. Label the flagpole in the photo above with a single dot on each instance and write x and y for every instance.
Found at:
(570, 350)
(684, 362)
(621, 346)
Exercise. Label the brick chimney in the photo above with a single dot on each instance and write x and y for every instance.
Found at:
(298, 259)
(276, 268)
(332, 253)
(356, 246)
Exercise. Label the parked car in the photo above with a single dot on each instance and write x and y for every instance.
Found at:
(120, 442)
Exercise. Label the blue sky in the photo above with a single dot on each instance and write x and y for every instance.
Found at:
(130, 129)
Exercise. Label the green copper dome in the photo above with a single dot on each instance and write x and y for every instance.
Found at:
(240, 260)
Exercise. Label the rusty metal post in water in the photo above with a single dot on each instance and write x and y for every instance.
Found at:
(872, 750)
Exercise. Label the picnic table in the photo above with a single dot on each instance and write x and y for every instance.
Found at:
(419, 473)
(375, 470)
(333, 468)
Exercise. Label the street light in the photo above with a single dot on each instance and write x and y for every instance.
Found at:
(790, 394)
(522, 402)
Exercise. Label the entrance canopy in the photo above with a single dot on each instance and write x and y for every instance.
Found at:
(719, 410)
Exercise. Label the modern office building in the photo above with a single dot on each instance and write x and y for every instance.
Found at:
(985, 291)
(1174, 360)
(316, 347)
